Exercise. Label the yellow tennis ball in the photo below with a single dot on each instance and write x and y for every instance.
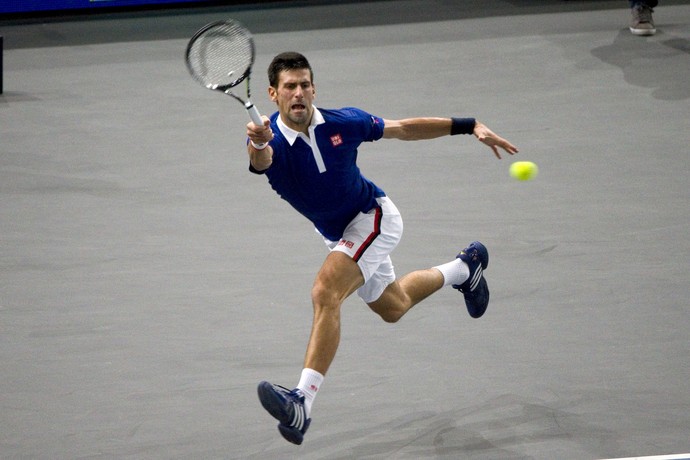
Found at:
(524, 170)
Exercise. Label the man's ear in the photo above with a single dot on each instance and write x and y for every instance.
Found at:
(273, 94)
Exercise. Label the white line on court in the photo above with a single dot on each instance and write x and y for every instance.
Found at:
(656, 457)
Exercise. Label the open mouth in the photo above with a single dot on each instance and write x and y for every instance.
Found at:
(299, 107)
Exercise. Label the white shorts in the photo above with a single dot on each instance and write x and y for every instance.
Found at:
(369, 239)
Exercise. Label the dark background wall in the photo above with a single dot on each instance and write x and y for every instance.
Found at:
(43, 7)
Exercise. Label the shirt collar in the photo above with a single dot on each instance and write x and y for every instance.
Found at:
(291, 135)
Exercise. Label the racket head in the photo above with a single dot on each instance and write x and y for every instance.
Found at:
(220, 55)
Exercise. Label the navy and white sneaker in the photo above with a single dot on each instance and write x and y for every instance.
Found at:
(286, 406)
(475, 289)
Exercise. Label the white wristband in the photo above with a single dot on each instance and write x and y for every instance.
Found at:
(259, 146)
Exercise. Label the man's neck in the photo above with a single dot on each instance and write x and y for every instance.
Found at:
(303, 128)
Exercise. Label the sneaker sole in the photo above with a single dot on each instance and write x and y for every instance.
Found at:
(643, 32)
(477, 311)
(292, 434)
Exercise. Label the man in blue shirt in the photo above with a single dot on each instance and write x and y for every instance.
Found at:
(309, 156)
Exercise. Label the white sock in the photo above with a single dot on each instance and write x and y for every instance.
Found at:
(309, 384)
(454, 272)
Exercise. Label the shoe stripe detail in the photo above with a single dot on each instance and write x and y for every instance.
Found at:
(475, 278)
(298, 417)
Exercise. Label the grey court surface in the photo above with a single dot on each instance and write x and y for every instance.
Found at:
(148, 282)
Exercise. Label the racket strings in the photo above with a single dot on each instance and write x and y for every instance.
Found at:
(221, 56)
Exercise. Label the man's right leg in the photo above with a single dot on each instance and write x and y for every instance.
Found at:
(339, 277)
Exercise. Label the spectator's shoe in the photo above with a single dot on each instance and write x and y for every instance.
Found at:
(286, 406)
(642, 22)
(475, 289)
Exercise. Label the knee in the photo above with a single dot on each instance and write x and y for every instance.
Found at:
(390, 316)
(390, 312)
(324, 299)
(393, 303)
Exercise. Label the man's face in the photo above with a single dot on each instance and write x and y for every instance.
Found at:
(294, 96)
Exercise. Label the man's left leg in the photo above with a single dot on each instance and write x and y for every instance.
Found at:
(465, 273)
(403, 294)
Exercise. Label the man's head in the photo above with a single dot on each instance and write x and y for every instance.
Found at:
(292, 89)
(289, 60)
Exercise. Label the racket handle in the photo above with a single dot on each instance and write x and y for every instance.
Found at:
(254, 113)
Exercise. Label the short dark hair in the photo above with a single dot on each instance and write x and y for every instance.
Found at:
(289, 60)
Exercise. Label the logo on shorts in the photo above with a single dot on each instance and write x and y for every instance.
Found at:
(347, 244)
(336, 140)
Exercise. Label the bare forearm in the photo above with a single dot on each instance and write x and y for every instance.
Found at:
(413, 129)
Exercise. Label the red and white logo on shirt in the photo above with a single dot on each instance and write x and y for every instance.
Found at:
(336, 140)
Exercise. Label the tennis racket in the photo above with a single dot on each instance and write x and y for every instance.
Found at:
(220, 57)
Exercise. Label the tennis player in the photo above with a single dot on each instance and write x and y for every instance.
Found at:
(309, 156)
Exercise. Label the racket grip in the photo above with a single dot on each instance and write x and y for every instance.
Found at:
(254, 113)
